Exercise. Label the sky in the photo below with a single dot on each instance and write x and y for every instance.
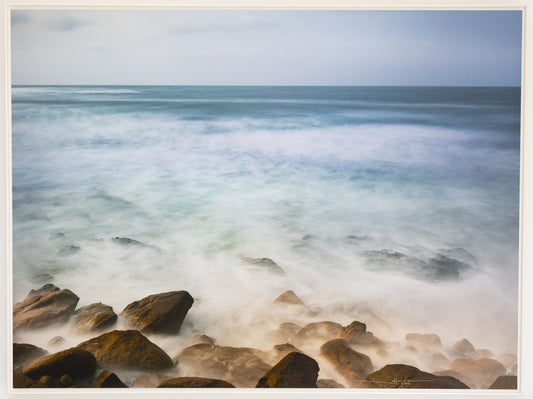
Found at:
(267, 47)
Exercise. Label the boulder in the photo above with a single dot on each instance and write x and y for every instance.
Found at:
(295, 370)
(194, 382)
(241, 367)
(482, 371)
(25, 353)
(327, 383)
(404, 376)
(127, 349)
(462, 348)
(505, 382)
(45, 382)
(149, 380)
(76, 362)
(288, 298)
(284, 332)
(107, 379)
(352, 365)
(356, 334)
(423, 340)
(65, 381)
(46, 306)
(94, 317)
(21, 381)
(160, 313)
(56, 341)
(282, 350)
(202, 339)
(321, 331)
(264, 264)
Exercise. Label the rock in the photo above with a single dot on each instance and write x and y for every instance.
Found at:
(284, 332)
(444, 268)
(288, 298)
(107, 379)
(56, 341)
(76, 362)
(194, 382)
(423, 340)
(355, 333)
(240, 366)
(280, 351)
(482, 371)
(326, 383)
(127, 349)
(505, 382)
(45, 382)
(46, 306)
(461, 377)
(68, 250)
(295, 370)
(127, 241)
(149, 380)
(25, 353)
(404, 376)
(21, 381)
(322, 331)
(265, 264)
(65, 381)
(463, 347)
(159, 313)
(483, 353)
(94, 317)
(202, 339)
(352, 365)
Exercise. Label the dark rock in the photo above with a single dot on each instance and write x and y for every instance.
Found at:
(505, 382)
(76, 362)
(288, 298)
(126, 241)
(322, 330)
(127, 349)
(107, 379)
(423, 340)
(264, 263)
(194, 382)
(149, 380)
(295, 370)
(482, 371)
(326, 383)
(45, 382)
(159, 313)
(352, 365)
(43, 307)
(202, 339)
(56, 341)
(68, 250)
(404, 376)
(460, 254)
(21, 381)
(240, 366)
(65, 381)
(94, 317)
(444, 268)
(25, 353)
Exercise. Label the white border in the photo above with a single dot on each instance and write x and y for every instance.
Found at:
(525, 367)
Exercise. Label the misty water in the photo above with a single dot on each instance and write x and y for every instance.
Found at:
(395, 206)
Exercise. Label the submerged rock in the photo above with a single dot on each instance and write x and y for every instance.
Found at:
(482, 371)
(160, 313)
(194, 382)
(94, 317)
(505, 382)
(295, 370)
(352, 365)
(127, 349)
(107, 379)
(43, 307)
(25, 353)
(75, 362)
(264, 263)
(404, 376)
(288, 298)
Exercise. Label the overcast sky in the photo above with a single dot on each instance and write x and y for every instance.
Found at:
(266, 47)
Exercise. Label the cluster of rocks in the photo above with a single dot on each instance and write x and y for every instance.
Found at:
(102, 361)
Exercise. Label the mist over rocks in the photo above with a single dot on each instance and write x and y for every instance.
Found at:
(25, 353)
(266, 264)
(295, 370)
(94, 317)
(405, 376)
(107, 379)
(352, 365)
(288, 298)
(482, 371)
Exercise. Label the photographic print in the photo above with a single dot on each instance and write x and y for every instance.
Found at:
(323, 199)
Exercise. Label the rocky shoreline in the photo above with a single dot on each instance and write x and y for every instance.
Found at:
(127, 358)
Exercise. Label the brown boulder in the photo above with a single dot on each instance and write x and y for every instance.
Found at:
(21, 381)
(127, 349)
(322, 331)
(356, 334)
(25, 353)
(326, 383)
(65, 381)
(94, 317)
(282, 350)
(240, 366)
(463, 348)
(76, 362)
(352, 365)
(295, 370)
(107, 379)
(56, 341)
(149, 380)
(194, 382)
(404, 376)
(288, 298)
(482, 371)
(45, 306)
(45, 382)
(159, 313)
(505, 382)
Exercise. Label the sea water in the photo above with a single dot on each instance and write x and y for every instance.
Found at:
(395, 206)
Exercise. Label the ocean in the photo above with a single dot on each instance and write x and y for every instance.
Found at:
(394, 206)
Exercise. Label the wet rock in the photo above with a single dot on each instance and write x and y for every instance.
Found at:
(76, 362)
(160, 313)
(45, 382)
(482, 371)
(107, 379)
(404, 376)
(240, 366)
(25, 353)
(65, 381)
(352, 365)
(21, 381)
(202, 339)
(282, 350)
(194, 382)
(424, 340)
(43, 307)
(149, 380)
(322, 331)
(327, 383)
(56, 341)
(127, 349)
(295, 370)
(94, 317)
(264, 264)
(355, 333)
(463, 348)
(68, 250)
(131, 243)
(288, 298)
(505, 382)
